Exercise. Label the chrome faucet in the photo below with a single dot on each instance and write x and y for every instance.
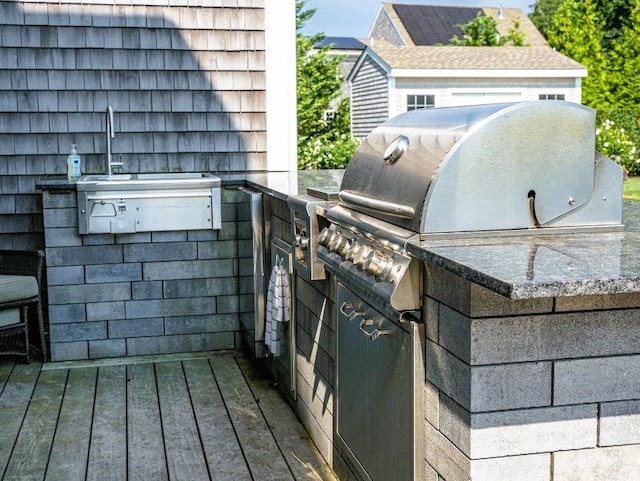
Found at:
(110, 135)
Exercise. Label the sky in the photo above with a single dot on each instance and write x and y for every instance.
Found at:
(353, 18)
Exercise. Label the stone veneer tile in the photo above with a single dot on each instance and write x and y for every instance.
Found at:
(592, 303)
(69, 351)
(107, 348)
(126, 328)
(188, 269)
(619, 423)
(446, 459)
(477, 301)
(620, 463)
(182, 343)
(114, 291)
(448, 373)
(554, 336)
(81, 331)
(596, 380)
(196, 324)
(105, 311)
(530, 431)
(533, 467)
(510, 386)
(170, 307)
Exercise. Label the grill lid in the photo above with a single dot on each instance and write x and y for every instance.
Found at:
(485, 167)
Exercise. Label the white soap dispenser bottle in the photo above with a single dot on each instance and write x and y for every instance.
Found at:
(74, 171)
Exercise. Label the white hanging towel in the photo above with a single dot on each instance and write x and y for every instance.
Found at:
(278, 309)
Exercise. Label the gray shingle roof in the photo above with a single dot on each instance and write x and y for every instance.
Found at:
(468, 58)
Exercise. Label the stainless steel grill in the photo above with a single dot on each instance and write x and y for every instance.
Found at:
(501, 169)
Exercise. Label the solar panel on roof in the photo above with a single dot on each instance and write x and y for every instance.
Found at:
(341, 43)
(434, 25)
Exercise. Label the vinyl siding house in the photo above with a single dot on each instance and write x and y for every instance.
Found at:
(405, 66)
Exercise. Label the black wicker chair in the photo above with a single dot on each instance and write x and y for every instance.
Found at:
(20, 302)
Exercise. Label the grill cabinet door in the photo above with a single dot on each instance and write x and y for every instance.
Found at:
(374, 392)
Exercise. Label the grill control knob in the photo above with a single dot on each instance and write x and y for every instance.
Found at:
(326, 236)
(348, 256)
(360, 254)
(340, 245)
(377, 264)
(302, 242)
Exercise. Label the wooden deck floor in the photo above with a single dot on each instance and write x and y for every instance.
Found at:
(195, 419)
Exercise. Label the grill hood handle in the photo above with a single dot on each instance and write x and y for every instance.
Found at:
(354, 200)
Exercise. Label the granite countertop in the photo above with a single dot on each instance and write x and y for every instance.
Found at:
(277, 184)
(525, 267)
(284, 184)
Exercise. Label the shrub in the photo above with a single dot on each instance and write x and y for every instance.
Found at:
(619, 142)
(330, 151)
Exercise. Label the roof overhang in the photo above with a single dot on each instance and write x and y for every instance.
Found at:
(367, 52)
(484, 73)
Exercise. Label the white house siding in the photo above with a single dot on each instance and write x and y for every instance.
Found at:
(369, 98)
(470, 91)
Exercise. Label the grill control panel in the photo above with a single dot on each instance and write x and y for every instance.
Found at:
(372, 263)
(306, 226)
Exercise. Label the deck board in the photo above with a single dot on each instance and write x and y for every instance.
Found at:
(260, 449)
(185, 458)
(146, 456)
(108, 446)
(5, 372)
(203, 417)
(74, 427)
(31, 452)
(221, 446)
(298, 450)
(14, 402)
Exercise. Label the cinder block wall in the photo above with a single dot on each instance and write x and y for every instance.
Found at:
(145, 293)
(186, 81)
(543, 390)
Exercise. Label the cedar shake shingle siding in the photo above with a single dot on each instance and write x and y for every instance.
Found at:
(187, 86)
(384, 29)
(369, 98)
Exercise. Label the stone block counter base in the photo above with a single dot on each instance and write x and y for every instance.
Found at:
(544, 387)
(145, 293)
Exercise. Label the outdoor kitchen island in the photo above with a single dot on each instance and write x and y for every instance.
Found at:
(531, 348)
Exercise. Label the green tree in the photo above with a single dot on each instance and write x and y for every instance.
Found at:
(578, 32)
(625, 63)
(543, 13)
(324, 139)
(482, 31)
(616, 15)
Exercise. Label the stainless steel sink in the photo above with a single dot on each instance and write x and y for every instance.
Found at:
(127, 203)
(166, 180)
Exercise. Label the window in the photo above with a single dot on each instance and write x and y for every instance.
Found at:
(551, 97)
(329, 116)
(415, 102)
